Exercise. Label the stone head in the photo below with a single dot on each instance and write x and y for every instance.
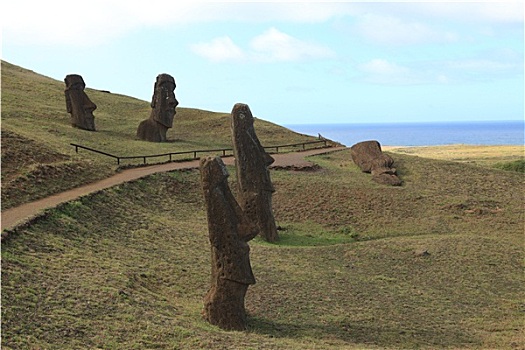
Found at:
(164, 101)
(213, 172)
(78, 103)
(242, 118)
(244, 130)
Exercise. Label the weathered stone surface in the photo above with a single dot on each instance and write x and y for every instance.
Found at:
(163, 106)
(369, 157)
(78, 103)
(229, 231)
(387, 179)
(255, 187)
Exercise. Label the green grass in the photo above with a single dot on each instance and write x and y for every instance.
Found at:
(38, 160)
(128, 267)
(34, 107)
(305, 234)
(517, 165)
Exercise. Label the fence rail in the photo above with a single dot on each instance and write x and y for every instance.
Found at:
(194, 153)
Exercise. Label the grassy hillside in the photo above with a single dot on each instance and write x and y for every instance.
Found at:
(435, 263)
(359, 265)
(37, 158)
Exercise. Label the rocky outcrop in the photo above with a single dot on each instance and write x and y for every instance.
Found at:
(229, 231)
(369, 157)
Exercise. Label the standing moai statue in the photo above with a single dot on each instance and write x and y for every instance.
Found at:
(78, 103)
(253, 178)
(161, 118)
(229, 231)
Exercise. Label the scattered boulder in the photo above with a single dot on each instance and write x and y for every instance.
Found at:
(387, 179)
(369, 157)
(163, 106)
(255, 187)
(421, 252)
(229, 231)
(78, 103)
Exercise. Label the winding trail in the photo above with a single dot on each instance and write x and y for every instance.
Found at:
(16, 216)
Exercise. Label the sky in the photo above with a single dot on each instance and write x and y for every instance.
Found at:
(291, 62)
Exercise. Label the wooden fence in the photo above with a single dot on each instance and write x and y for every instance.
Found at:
(193, 154)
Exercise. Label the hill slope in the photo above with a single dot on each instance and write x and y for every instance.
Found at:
(436, 263)
(358, 266)
(37, 158)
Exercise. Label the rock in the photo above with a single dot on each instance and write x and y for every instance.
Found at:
(421, 252)
(229, 231)
(387, 179)
(255, 187)
(369, 157)
(163, 106)
(78, 103)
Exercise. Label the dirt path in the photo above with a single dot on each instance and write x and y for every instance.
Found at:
(16, 216)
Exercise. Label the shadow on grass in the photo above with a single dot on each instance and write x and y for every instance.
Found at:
(371, 334)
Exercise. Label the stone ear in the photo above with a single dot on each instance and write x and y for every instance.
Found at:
(68, 102)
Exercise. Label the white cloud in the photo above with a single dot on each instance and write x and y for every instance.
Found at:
(394, 31)
(483, 69)
(87, 23)
(219, 50)
(271, 46)
(57, 22)
(381, 71)
(489, 12)
(480, 65)
(274, 45)
(411, 23)
(383, 67)
(468, 70)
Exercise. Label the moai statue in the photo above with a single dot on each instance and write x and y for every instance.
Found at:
(229, 231)
(78, 103)
(369, 157)
(255, 187)
(161, 118)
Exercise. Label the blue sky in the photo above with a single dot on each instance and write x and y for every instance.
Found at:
(291, 62)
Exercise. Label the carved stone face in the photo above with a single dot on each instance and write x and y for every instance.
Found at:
(213, 172)
(249, 153)
(78, 103)
(164, 101)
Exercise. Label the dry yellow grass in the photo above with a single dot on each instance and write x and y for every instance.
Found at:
(478, 154)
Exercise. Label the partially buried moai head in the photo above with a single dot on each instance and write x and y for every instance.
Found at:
(78, 103)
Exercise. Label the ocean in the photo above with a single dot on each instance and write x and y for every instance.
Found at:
(420, 134)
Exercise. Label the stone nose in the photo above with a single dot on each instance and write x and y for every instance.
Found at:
(89, 105)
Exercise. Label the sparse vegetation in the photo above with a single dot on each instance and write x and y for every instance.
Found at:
(435, 263)
(517, 165)
(470, 154)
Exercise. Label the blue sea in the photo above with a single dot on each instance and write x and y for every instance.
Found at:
(420, 134)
